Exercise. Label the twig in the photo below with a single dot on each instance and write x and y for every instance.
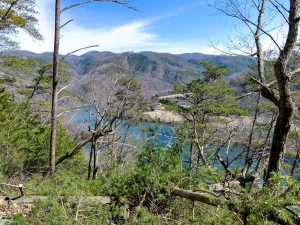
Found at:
(77, 211)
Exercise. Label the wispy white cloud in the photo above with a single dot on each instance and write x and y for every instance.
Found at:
(133, 36)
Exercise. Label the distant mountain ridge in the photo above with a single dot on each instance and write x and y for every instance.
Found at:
(157, 72)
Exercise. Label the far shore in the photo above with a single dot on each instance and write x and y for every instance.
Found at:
(165, 116)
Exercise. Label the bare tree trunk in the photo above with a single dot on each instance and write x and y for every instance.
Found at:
(284, 101)
(191, 155)
(125, 136)
(91, 158)
(199, 146)
(95, 166)
(260, 52)
(54, 87)
(90, 164)
(285, 105)
(295, 163)
(200, 154)
(248, 162)
(265, 146)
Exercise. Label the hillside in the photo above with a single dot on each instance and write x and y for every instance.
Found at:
(157, 72)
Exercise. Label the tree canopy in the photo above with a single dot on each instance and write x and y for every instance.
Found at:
(16, 15)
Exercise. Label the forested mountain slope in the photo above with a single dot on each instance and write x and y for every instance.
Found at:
(157, 72)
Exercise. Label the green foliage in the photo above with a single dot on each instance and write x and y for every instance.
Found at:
(18, 63)
(281, 193)
(205, 99)
(208, 95)
(212, 99)
(20, 16)
(30, 77)
(129, 95)
(15, 68)
(140, 194)
(65, 211)
(7, 80)
(24, 139)
(139, 190)
(24, 91)
(212, 72)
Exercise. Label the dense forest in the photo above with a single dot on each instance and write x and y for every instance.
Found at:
(151, 138)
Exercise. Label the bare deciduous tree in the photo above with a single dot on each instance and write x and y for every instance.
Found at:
(281, 98)
(54, 102)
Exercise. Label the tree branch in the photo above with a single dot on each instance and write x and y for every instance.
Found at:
(276, 6)
(241, 17)
(66, 23)
(9, 9)
(266, 92)
(119, 2)
(77, 50)
(292, 75)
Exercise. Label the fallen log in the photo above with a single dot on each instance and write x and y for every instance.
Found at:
(32, 199)
(212, 200)
(206, 198)
(196, 196)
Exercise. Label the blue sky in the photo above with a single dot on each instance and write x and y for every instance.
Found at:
(174, 26)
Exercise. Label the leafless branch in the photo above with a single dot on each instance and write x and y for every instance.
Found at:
(66, 23)
(241, 17)
(277, 8)
(282, 6)
(248, 94)
(119, 2)
(77, 50)
(267, 92)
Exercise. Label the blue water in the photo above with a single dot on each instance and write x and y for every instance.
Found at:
(161, 134)
(158, 133)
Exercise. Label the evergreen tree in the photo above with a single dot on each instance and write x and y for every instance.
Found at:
(204, 99)
(14, 15)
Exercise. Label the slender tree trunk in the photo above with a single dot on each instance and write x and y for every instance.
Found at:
(247, 163)
(285, 106)
(54, 87)
(296, 159)
(199, 146)
(200, 154)
(191, 155)
(91, 159)
(124, 141)
(95, 167)
(90, 164)
(260, 52)
(266, 145)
